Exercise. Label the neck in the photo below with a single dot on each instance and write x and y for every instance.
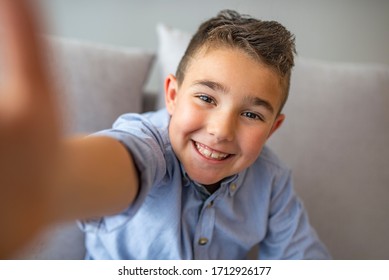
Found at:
(212, 188)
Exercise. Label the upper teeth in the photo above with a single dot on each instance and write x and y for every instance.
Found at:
(207, 152)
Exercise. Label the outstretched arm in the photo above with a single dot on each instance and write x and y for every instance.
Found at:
(44, 178)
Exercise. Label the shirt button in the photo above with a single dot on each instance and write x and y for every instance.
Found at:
(203, 241)
(233, 187)
(210, 204)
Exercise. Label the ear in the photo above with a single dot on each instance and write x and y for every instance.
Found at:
(277, 124)
(170, 93)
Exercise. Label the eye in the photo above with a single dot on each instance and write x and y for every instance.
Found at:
(206, 98)
(253, 116)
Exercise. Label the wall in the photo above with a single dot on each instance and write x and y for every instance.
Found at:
(344, 30)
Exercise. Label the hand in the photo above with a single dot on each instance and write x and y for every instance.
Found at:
(29, 127)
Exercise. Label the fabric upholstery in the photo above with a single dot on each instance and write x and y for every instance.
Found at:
(99, 82)
(335, 138)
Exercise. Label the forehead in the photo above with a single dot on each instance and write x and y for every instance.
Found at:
(237, 71)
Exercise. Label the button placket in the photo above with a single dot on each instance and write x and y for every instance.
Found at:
(204, 230)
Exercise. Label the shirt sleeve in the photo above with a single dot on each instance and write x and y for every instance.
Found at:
(146, 145)
(289, 234)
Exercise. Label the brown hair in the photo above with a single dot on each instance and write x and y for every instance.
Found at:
(266, 41)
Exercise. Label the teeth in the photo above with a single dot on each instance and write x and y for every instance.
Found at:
(205, 151)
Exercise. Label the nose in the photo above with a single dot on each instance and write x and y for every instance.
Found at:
(222, 126)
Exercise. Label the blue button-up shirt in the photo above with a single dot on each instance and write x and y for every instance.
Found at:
(174, 217)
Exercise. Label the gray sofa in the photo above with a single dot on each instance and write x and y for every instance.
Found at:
(335, 138)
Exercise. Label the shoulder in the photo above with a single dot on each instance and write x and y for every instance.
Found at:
(149, 127)
(146, 137)
(158, 118)
(271, 161)
(268, 174)
(155, 121)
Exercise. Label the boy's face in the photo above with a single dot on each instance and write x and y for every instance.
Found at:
(222, 114)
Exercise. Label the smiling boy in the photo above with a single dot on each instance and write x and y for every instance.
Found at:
(192, 181)
(209, 189)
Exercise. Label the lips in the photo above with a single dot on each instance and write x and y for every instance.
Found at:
(209, 153)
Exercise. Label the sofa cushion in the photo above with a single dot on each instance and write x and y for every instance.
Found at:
(335, 138)
(63, 241)
(98, 82)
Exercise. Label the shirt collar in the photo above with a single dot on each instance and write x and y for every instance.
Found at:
(232, 183)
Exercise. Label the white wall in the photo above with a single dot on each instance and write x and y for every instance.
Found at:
(343, 30)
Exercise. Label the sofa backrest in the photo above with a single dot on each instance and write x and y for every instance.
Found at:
(335, 139)
(97, 83)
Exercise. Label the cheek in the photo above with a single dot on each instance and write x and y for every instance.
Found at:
(185, 118)
(252, 143)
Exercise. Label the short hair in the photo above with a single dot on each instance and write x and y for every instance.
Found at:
(269, 42)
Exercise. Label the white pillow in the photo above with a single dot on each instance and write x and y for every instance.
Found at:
(172, 44)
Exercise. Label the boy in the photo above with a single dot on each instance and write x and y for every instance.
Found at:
(193, 181)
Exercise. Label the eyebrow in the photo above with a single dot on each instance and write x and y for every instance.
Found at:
(252, 100)
(256, 101)
(212, 85)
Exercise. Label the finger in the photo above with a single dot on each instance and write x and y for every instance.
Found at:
(24, 85)
(21, 47)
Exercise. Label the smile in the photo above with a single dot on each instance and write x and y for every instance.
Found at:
(209, 153)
